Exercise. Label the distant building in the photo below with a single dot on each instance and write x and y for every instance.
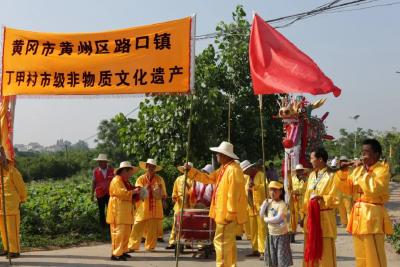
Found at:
(34, 146)
(21, 147)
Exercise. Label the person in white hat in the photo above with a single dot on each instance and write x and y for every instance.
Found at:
(101, 179)
(121, 209)
(202, 193)
(228, 205)
(299, 186)
(255, 187)
(177, 198)
(150, 210)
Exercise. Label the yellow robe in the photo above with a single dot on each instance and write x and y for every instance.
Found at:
(324, 185)
(15, 194)
(229, 202)
(120, 214)
(149, 214)
(369, 220)
(228, 208)
(177, 197)
(299, 188)
(151, 208)
(257, 224)
(120, 208)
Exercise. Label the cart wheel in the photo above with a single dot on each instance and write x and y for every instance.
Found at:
(206, 254)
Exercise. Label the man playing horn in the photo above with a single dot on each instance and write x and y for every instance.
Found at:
(369, 221)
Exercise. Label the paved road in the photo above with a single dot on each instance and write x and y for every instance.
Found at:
(98, 256)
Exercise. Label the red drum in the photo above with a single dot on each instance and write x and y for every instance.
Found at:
(196, 224)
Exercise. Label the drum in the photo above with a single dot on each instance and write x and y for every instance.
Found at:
(195, 225)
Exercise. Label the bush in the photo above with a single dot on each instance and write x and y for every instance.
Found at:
(60, 213)
(59, 207)
(58, 165)
(395, 238)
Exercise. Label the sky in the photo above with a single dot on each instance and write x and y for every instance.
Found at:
(359, 51)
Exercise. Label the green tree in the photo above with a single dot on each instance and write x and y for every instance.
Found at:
(222, 75)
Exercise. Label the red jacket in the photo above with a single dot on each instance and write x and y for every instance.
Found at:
(101, 183)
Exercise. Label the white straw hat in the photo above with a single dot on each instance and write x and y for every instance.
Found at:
(142, 164)
(299, 167)
(208, 168)
(225, 148)
(101, 157)
(182, 168)
(246, 164)
(126, 164)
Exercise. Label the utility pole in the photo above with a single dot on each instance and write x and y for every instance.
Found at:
(355, 118)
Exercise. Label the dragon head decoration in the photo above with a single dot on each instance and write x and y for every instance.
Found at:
(303, 132)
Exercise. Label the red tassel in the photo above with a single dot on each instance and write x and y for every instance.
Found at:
(313, 250)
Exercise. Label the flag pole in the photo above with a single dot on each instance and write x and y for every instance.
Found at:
(191, 96)
(260, 100)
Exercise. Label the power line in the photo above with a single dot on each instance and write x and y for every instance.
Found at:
(331, 7)
(336, 6)
(126, 115)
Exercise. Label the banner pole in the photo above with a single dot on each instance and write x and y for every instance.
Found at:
(3, 198)
(179, 221)
(192, 82)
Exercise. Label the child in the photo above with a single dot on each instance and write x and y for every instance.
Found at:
(274, 212)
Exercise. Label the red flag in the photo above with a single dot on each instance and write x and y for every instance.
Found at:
(278, 66)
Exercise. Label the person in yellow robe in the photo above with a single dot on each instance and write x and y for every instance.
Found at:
(346, 201)
(299, 186)
(177, 197)
(120, 210)
(369, 221)
(150, 211)
(321, 187)
(228, 205)
(255, 188)
(15, 194)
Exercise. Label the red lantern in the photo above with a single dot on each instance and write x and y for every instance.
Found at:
(287, 143)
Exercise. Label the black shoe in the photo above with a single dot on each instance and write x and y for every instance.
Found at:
(160, 239)
(118, 258)
(13, 255)
(238, 237)
(126, 255)
(261, 256)
(170, 246)
(292, 239)
(4, 253)
(253, 254)
(143, 239)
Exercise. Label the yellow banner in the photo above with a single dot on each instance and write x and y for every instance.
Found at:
(154, 58)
